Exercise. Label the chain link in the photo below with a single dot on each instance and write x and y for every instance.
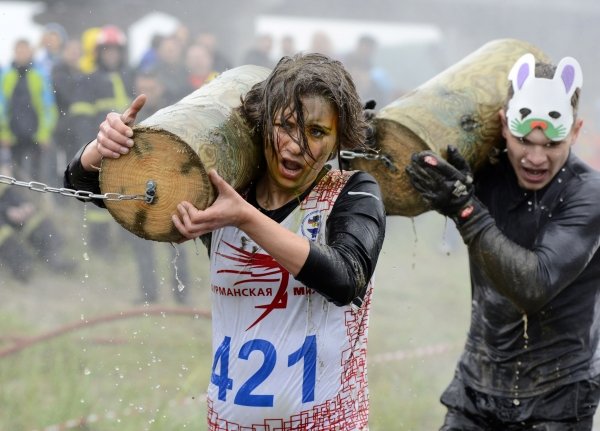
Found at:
(350, 155)
(79, 194)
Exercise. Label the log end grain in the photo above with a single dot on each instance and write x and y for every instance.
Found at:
(178, 173)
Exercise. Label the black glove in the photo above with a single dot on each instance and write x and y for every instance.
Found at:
(447, 186)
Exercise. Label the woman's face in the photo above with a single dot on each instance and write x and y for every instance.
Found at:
(288, 167)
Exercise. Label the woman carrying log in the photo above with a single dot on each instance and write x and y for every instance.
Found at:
(291, 258)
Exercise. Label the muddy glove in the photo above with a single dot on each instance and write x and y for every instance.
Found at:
(447, 186)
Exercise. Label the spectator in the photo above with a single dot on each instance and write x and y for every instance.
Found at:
(372, 82)
(27, 234)
(288, 46)
(89, 39)
(260, 53)
(170, 69)
(321, 43)
(150, 56)
(52, 43)
(66, 78)
(30, 113)
(221, 64)
(147, 83)
(109, 88)
(199, 64)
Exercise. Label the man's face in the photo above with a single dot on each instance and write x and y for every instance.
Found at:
(534, 158)
(23, 54)
(152, 87)
(111, 56)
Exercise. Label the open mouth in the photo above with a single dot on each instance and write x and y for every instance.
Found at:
(291, 166)
(534, 175)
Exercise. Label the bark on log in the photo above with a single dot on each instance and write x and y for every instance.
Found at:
(459, 106)
(176, 147)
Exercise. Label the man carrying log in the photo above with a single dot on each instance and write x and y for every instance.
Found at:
(531, 222)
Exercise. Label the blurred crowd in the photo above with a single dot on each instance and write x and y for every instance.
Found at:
(56, 91)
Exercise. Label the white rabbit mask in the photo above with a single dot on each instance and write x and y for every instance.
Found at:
(540, 102)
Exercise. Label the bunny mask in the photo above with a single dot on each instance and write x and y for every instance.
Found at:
(540, 102)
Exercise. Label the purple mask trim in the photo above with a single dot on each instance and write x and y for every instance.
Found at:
(522, 75)
(568, 77)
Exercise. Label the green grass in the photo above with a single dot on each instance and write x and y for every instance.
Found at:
(150, 372)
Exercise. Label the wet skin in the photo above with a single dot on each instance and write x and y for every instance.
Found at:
(290, 171)
(536, 159)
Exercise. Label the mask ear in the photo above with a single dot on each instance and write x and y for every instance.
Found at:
(522, 70)
(569, 72)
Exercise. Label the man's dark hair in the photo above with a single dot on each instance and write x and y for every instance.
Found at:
(305, 75)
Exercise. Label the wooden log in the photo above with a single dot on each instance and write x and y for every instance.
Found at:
(459, 107)
(176, 147)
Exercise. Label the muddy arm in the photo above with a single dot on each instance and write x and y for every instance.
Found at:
(563, 248)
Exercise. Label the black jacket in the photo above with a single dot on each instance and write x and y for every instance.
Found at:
(535, 279)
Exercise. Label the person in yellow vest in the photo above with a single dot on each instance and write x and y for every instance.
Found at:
(108, 88)
(29, 112)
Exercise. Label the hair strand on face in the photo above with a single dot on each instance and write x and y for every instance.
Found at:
(305, 75)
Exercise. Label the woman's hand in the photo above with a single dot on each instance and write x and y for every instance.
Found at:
(114, 136)
(229, 209)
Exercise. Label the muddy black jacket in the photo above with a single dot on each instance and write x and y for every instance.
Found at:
(535, 280)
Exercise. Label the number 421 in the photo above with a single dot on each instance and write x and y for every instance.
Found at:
(245, 395)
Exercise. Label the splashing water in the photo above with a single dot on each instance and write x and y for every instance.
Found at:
(180, 285)
(196, 246)
(416, 241)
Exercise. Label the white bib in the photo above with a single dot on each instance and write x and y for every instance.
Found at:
(284, 357)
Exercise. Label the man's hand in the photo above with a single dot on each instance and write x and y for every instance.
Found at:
(447, 186)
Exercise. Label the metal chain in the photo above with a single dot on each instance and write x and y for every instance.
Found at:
(80, 194)
(349, 155)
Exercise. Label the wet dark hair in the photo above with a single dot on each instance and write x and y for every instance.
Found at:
(546, 70)
(305, 75)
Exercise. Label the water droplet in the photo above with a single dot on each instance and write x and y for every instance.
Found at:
(86, 257)
(516, 402)
(87, 372)
(560, 180)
